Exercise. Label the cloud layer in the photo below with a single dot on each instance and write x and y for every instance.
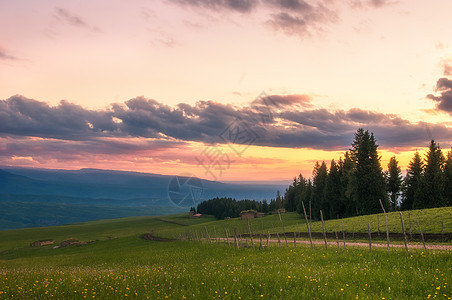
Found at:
(444, 99)
(277, 121)
(292, 17)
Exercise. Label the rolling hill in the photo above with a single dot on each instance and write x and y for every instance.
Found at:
(43, 197)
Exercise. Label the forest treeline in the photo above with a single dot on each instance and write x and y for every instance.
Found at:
(229, 207)
(355, 184)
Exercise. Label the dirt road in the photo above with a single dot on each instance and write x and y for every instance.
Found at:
(341, 244)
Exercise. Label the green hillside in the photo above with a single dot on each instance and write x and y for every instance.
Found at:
(172, 226)
(117, 262)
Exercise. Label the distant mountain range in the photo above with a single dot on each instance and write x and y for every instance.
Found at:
(41, 197)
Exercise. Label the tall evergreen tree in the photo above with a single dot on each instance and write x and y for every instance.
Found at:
(393, 182)
(290, 195)
(278, 201)
(412, 196)
(434, 178)
(334, 192)
(305, 197)
(349, 185)
(265, 206)
(320, 174)
(448, 178)
(369, 174)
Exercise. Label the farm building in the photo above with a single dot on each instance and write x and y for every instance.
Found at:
(259, 215)
(192, 215)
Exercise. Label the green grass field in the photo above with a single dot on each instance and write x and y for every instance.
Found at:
(120, 264)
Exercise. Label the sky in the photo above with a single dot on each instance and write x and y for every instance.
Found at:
(221, 89)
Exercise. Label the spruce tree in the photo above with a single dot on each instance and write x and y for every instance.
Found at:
(320, 174)
(393, 182)
(370, 178)
(448, 178)
(434, 178)
(412, 196)
(334, 191)
(349, 189)
(289, 196)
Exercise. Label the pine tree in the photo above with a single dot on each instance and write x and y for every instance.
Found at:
(369, 174)
(334, 191)
(448, 178)
(393, 182)
(278, 201)
(289, 196)
(320, 174)
(434, 178)
(265, 206)
(412, 196)
(349, 185)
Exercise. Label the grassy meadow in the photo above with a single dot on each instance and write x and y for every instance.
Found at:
(120, 264)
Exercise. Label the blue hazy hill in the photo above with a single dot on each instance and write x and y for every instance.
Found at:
(40, 197)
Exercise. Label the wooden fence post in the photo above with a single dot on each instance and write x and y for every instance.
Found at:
(284, 231)
(370, 237)
(323, 226)
(404, 234)
(307, 223)
(262, 226)
(422, 235)
(378, 225)
(227, 236)
(337, 239)
(409, 223)
(251, 233)
(207, 233)
(387, 228)
(343, 233)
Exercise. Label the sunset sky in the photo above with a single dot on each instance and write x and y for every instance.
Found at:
(222, 89)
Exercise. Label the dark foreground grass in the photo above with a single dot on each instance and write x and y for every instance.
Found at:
(130, 267)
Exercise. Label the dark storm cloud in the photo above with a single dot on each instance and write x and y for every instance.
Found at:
(277, 101)
(149, 118)
(242, 6)
(444, 100)
(297, 17)
(94, 149)
(288, 121)
(27, 117)
(25, 146)
(295, 5)
(371, 3)
(292, 17)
